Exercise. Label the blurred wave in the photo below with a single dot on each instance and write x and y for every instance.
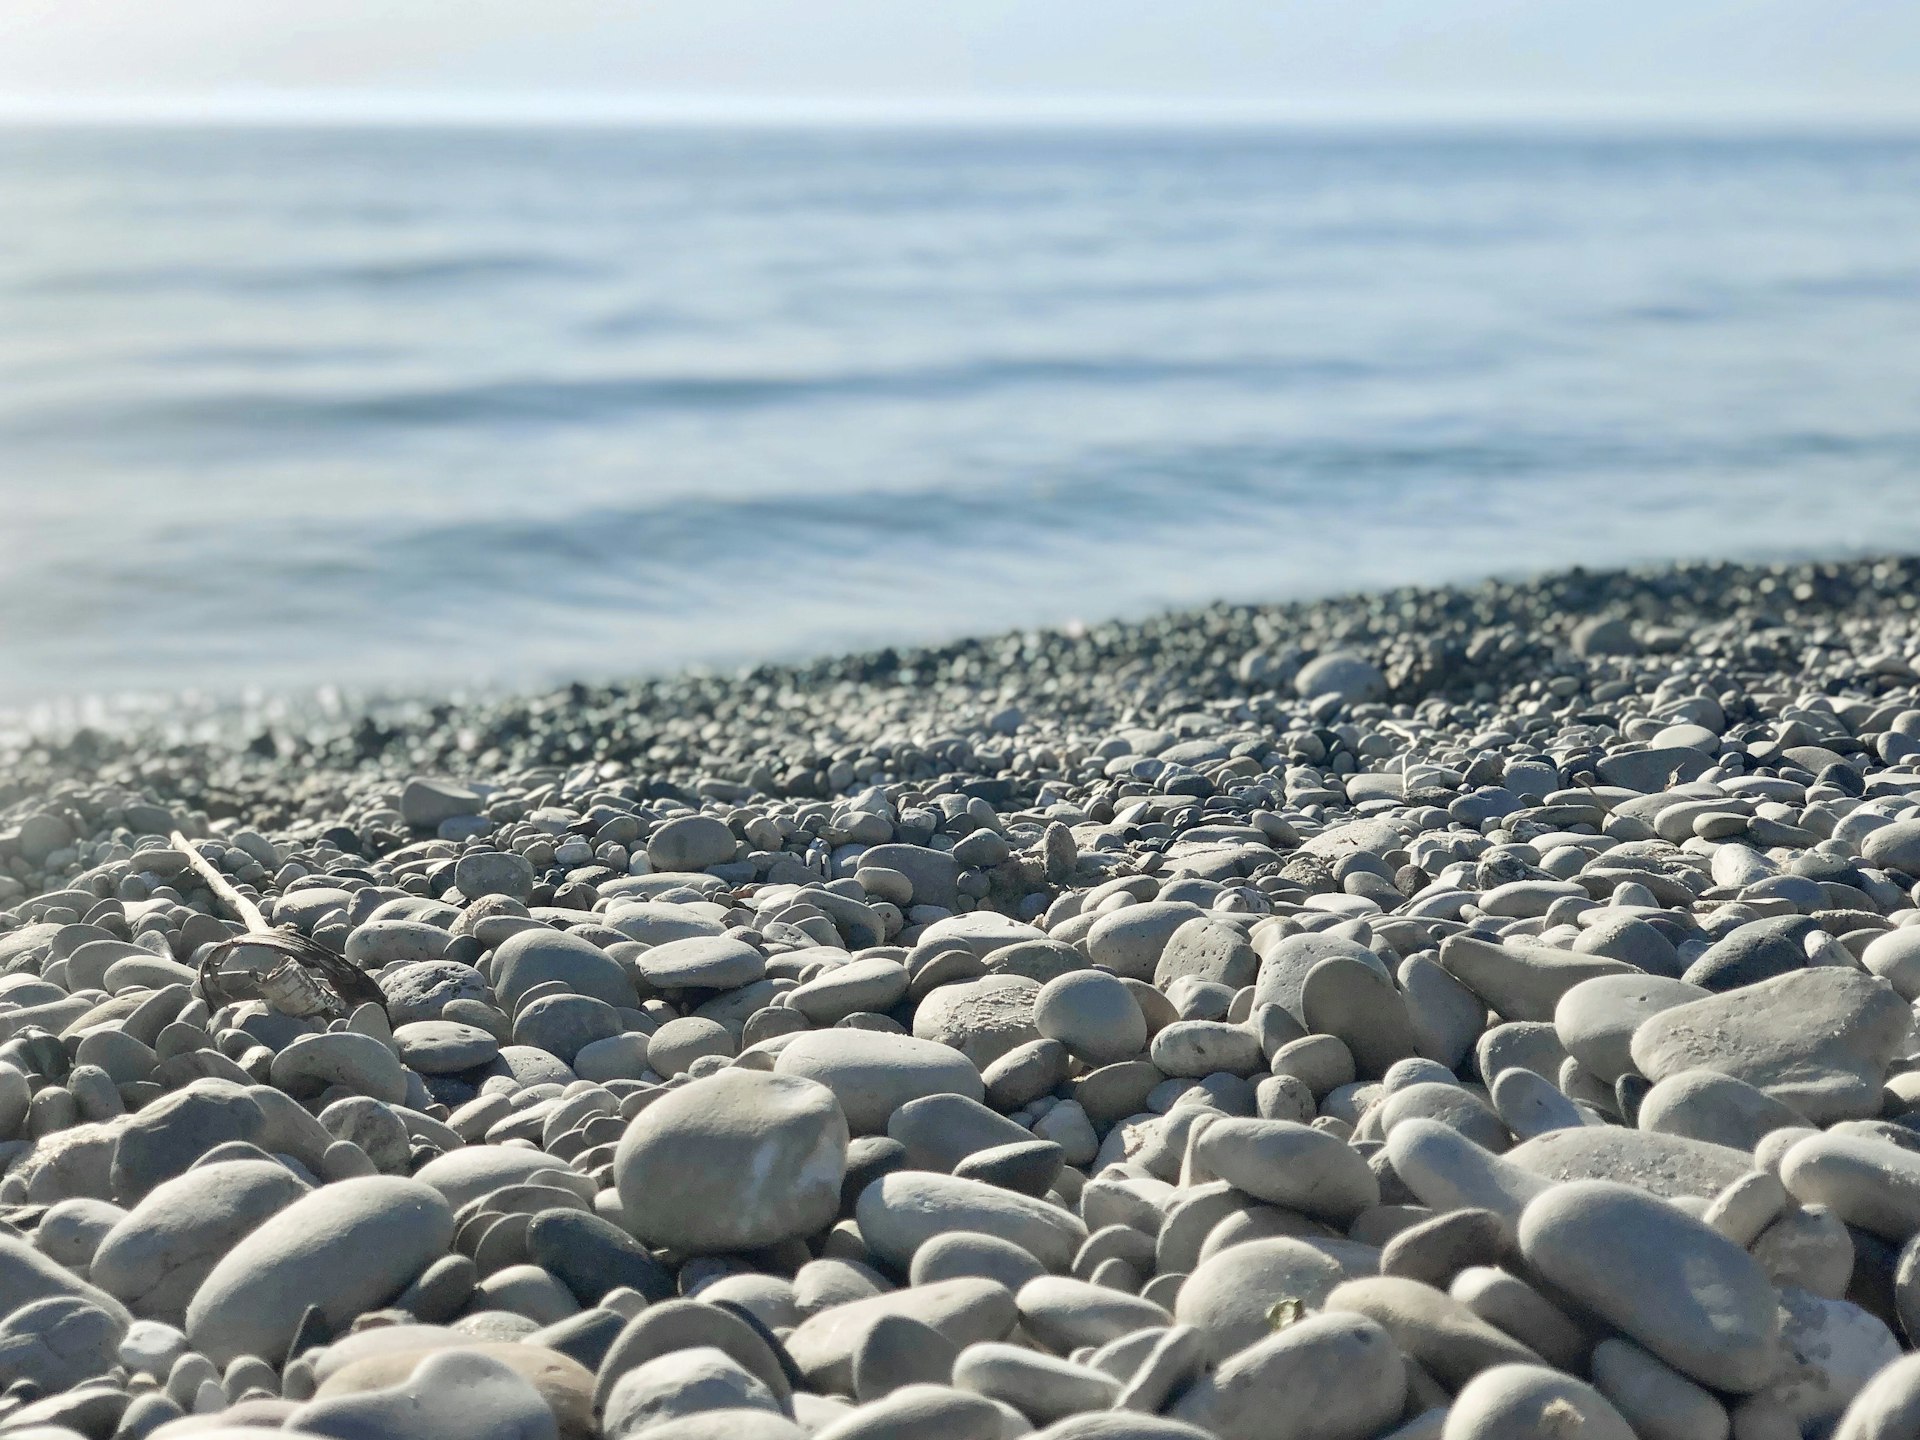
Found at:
(284, 407)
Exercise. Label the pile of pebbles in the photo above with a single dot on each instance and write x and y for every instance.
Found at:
(1476, 1014)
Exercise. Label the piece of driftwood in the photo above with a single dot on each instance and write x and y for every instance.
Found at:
(309, 980)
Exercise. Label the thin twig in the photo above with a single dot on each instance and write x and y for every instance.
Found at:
(244, 910)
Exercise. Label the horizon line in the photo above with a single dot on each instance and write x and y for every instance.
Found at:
(355, 108)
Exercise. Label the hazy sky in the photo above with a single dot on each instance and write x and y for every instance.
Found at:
(1694, 57)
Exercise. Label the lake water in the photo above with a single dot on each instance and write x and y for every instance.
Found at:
(415, 408)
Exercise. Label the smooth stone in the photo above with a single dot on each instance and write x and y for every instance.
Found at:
(1706, 1105)
(493, 872)
(1041, 1387)
(1447, 1171)
(965, 1311)
(422, 991)
(940, 1131)
(873, 1073)
(1286, 963)
(701, 962)
(1446, 1016)
(1522, 980)
(450, 1395)
(443, 1047)
(534, 957)
(1346, 673)
(1066, 1315)
(689, 843)
(1207, 950)
(1759, 950)
(380, 943)
(736, 1161)
(591, 1255)
(1867, 1183)
(1356, 1002)
(164, 1138)
(1511, 1304)
(1093, 1014)
(27, 1276)
(917, 1410)
(899, 1351)
(58, 1343)
(1666, 1281)
(875, 985)
(1887, 1407)
(1895, 958)
(1430, 1326)
(1654, 1398)
(359, 1063)
(681, 1325)
(1289, 1165)
(71, 1231)
(981, 931)
(348, 1367)
(1436, 1250)
(160, 1253)
(1833, 1347)
(1195, 1049)
(1633, 940)
(683, 1383)
(1664, 1165)
(1595, 1020)
(1818, 1040)
(564, 1025)
(1895, 846)
(1232, 1297)
(901, 1212)
(348, 1247)
(427, 801)
(1449, 1104)
(464, 1175)
(966, 1254)
(1532, 1402)
(1328, 1377)
(1130, 941)
(1531, 1106)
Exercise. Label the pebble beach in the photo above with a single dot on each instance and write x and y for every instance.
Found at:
(1471, 1013)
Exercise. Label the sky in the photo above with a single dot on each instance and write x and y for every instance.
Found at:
(1690, 58)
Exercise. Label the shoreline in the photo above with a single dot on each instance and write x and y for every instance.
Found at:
(1096, 1034)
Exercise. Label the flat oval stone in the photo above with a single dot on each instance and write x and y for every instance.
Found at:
(903, 1211)
(443, 1047)
(1527, 1402)
(1666, 1281)
(691, 842)
(157, 1257)
(737, 1161)
(701, 962)
(1231, 1297)
(1867, 1183)
(533, 957)
(1666, 1165)
(1819, 1040)
(1093, 1014)
(1329, 1377)
(348, 1247)
(1287, 1164)
(1356, 1002)
(1596, 1019)
(873, 1073)
(343, 1057)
